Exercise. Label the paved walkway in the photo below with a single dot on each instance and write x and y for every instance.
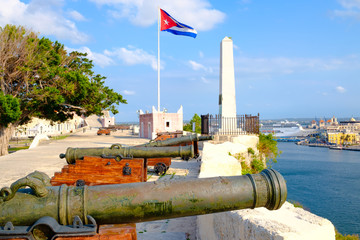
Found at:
(45, 158)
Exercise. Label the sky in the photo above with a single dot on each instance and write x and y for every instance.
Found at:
(292, 58)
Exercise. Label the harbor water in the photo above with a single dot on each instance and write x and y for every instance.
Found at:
(325, 181)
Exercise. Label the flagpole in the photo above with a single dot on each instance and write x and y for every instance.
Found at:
(158, 63)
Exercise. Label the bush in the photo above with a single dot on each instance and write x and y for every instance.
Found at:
(257, 165)
(267, 147)
(339, 236)
(268, 152)
(251, 151)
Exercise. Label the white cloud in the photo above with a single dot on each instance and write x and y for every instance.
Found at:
(44, 16)
(351, 8)
(347, 13)
(76, 15)
(99, 59)
(340, 89)
(204, 80)
(196, 66)
(350, 3)
(199, 14)
(283, 65)
(130, 56)
(128, 92)
(134, 56)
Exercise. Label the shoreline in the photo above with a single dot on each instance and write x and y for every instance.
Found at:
(333, 147)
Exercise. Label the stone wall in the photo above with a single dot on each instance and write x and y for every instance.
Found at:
(287, 223)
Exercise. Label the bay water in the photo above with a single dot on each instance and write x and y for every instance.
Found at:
(326, 182)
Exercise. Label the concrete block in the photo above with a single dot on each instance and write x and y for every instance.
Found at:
(247, 140)
(37, 139)
(216, 160)
(162, 236)
(287, 223)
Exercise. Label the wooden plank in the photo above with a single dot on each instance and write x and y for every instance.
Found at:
(106, 232)
(99, 171)
(153, 161)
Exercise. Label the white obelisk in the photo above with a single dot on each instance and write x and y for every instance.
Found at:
(227, 99)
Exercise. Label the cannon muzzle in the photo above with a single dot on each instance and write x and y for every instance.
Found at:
(176, 141)
(118, 152)
(138, 202)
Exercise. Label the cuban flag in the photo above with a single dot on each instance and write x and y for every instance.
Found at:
(169, 24)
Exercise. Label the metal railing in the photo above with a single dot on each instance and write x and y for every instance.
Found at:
(239, 125)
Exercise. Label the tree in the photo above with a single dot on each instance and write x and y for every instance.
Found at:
(347, 139)
(189, 127)
(38, 78)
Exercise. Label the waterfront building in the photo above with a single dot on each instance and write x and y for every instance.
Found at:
(313, 124)
(322, 124)
(351, 126)
(332, 128)
(340, 138)
(334, 121)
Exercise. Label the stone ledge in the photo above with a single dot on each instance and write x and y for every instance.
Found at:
(287, 223)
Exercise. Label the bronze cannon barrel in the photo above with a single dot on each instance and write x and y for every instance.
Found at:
(140, 202)
(118, 152)
(179, 140)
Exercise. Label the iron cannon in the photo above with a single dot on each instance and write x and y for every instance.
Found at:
(171, 140)
(177, 141)
(137, 202)
(119, 152)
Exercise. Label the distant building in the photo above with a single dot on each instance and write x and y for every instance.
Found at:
(321, 123)
(47, 127)
(332, 128)
(106, 120)
(50, 128)
(334, 121)
(157, 122)
(313, 124)
(340, 138)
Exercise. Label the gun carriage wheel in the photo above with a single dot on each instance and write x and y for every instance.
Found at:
(160, 168)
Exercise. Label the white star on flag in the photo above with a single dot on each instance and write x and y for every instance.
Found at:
(166, 22)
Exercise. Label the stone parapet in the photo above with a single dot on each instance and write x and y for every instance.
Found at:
(287, 223)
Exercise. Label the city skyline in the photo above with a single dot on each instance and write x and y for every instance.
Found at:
(292, 59)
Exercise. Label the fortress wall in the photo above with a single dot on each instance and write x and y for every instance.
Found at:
(253, 224)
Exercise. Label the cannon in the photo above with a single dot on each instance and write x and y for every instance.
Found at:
(119, 152)
(135, 202)
(171, 140)
(177, 141)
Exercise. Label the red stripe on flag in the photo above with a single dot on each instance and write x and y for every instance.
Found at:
(166, 21)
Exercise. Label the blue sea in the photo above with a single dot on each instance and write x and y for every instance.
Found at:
(326, 182)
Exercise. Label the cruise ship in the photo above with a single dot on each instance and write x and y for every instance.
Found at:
(285, 129)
